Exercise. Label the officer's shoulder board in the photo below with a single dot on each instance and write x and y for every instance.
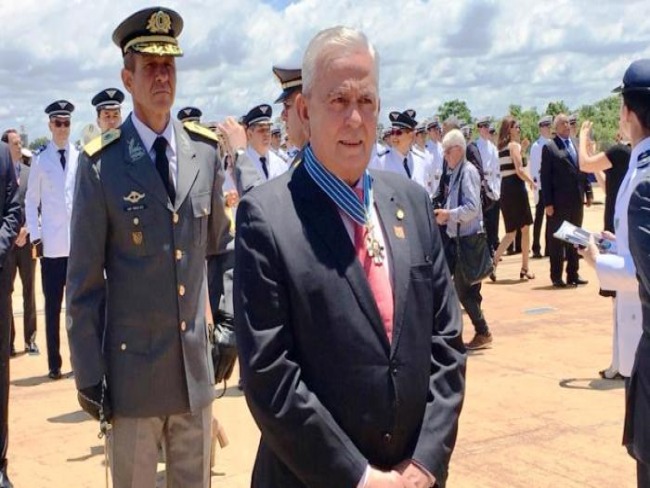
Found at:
(383, 152)
(100, 142)
(195, 128)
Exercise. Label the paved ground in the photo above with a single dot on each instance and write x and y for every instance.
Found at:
(536, 414)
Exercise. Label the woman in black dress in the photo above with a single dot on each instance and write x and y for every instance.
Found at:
(515, 206)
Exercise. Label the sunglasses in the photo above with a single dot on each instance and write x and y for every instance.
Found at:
(61, 123)
(399, 132)
(573, 123)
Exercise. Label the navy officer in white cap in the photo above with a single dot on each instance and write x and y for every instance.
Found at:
(48, 203)
(189, 114)
(108, 104)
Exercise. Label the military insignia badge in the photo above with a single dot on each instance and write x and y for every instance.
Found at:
(159, 23)
(137, 238)
(134, 197)
(136, 151)
(399, 231)
(399, 214)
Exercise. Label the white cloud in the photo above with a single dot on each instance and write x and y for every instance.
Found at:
(489, 53)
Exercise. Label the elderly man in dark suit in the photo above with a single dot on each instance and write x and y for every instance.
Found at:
(347, 320)
(10, 221)
(564, 188)
(19, 259)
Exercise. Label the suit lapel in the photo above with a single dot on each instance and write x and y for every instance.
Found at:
(188, 166)
(323, 224)
(139, 165)
(564, 153)
(389, 207)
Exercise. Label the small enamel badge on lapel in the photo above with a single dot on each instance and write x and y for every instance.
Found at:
(399, 231)
(399, 214)
(134, 197)
(136, 151)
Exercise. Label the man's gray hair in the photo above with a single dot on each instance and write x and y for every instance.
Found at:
(454, 138)
(558, 118)
(331, 43)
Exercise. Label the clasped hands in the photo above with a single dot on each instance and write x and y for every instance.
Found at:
(407, 474)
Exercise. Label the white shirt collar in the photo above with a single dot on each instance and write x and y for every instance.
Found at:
(148, 136)
(641, 147)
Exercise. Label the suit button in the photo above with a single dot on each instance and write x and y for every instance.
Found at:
(181, 290)
(387, 437)
(427, 258)
(136, 221)
(178, 254)
(394, 371)
(123, 346)
(175, 218)
(183, 326)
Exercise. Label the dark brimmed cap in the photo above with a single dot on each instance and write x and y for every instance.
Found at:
(60, 108)
(110, 98)
(189, 114)
(150, 31)
(403, 120)
(258, 115)
(636, 78)
(290, 80)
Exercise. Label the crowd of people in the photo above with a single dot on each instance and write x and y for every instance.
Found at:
(310, 237)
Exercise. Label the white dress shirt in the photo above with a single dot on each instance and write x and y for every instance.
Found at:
(274, 164)
(491, 166)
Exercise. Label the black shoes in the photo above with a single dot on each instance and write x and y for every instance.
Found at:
(577, 281)
(537, 255)
(4, 479)
(54, 374)
(32, 349)
(559, 284)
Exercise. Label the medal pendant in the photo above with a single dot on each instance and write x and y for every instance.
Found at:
(373, 247)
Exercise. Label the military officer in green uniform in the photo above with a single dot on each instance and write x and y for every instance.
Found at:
(148, 209)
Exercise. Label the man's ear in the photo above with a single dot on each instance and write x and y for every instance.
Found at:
(302, 109)
(127, 79)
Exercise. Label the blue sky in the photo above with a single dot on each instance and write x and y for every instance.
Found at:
(490, 53)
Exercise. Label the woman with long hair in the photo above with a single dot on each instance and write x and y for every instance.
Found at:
(514, 197)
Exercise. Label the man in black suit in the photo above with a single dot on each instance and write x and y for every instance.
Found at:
(10, 220)
(346, 318)
(19, 258)
(564, 188)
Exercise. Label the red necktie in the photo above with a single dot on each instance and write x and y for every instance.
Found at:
(376, 275)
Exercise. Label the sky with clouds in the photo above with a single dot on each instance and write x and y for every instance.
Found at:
(489, 53)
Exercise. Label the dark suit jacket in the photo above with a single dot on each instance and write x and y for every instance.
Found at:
(328, 391)
(10, 212)
(563, 185)
(637, 430)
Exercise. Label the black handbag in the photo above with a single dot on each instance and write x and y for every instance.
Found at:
(224, 347)
(474, 260)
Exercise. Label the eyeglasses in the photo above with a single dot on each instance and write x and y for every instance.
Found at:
(61, 123)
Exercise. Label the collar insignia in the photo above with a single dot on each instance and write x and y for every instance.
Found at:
(136, 151)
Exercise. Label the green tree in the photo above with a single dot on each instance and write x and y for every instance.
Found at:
(455, 107)
(38, 142)
(558, 107)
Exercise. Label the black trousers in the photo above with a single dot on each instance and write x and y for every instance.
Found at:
(491, 224)
(560, 251)
(19, 261)
(5, 348)
(642, 475)
(53, 272)
(537, 228)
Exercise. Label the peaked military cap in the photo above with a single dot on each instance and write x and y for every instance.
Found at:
(189, 114)
(290, 80)
(573, 118)
(276, 129)
(60, 108)
(545, 121)
(150, 31)
(109, 98)
(636, 77)
(403, 120)
(420, 128)
(434, 123)
(466, 130)
(258, 115)
(483, 122)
